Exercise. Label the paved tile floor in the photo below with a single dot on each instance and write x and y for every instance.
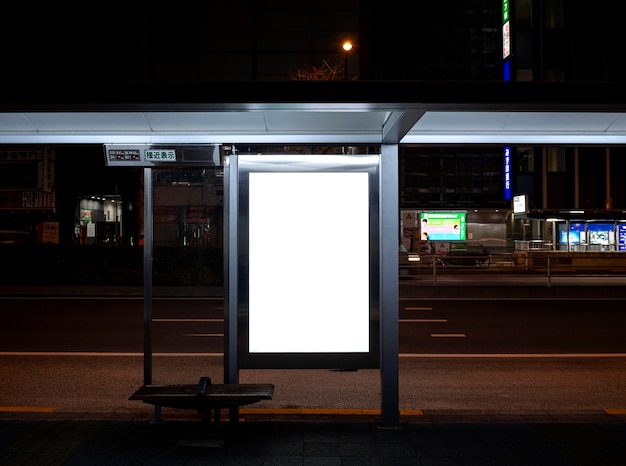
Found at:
(597, 440)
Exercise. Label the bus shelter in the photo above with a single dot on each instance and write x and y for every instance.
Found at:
(156, 124)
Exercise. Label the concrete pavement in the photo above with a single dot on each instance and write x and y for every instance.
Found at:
(282, 439)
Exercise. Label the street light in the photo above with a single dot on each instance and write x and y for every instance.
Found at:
(347, 46)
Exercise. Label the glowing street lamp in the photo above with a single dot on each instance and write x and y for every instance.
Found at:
(347, 46)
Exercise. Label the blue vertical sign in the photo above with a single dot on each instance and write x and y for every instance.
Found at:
(507, 173)
(621, 235)
(506, 75)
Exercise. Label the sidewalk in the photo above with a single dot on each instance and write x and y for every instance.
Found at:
(437, 439)
(282, 438)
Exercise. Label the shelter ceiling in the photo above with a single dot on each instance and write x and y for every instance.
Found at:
(312, 113)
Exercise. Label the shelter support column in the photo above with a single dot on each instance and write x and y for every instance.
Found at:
(544, 178)
(231, 289)
(147, 275)
(608, 200)
(576, 180)
(389, 285)
(231, 186)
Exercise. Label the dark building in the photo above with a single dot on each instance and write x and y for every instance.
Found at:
(550, 40)
(558, 40)
(252, 40)
(435, 41)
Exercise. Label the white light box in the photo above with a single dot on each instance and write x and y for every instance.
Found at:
(312, 265)
(309, 262)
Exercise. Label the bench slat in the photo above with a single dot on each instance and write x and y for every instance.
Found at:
(186, 396)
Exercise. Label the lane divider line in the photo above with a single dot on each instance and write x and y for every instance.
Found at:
(105, 355)
(511, 355)
(422, 321)
(187, 320)
(401, 355)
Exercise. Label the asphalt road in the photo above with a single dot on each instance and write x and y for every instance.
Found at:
(193, 325)
(86, 355)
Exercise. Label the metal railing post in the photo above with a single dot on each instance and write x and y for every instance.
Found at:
(548, 267)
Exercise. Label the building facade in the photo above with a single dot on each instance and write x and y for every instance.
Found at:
(549, 40)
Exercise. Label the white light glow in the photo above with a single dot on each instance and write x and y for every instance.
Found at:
(309, 262)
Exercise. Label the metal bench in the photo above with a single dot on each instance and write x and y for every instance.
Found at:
(204, 396)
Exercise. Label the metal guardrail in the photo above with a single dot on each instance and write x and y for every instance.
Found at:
(533, 245)
(545, 263)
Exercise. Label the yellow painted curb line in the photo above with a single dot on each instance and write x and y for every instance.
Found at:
(615, 411)
(26, 409)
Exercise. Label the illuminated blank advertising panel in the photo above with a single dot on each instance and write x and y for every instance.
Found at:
(310, 236)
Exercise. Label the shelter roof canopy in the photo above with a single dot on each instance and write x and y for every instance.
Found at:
(372, 112)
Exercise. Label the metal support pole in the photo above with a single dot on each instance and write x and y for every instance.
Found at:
(544, 178)
(576, 180)
(389, 286)
(147, 275)
(231, 203)
(158, 418)
(608, 200)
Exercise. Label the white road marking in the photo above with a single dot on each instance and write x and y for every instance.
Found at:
(512, 355)
(422, 321)
(448, 335)
(187, 320)
(104, 354)
(402, 355)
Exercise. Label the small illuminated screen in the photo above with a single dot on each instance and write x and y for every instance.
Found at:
(309, 262)
(443, 226)
(576, 234)
(519, 204)
(601, 233)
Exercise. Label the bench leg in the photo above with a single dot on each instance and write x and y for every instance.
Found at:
(157, 414)
(205, 415)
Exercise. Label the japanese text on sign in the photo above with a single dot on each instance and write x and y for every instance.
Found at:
(507, 173)
(161, 155)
